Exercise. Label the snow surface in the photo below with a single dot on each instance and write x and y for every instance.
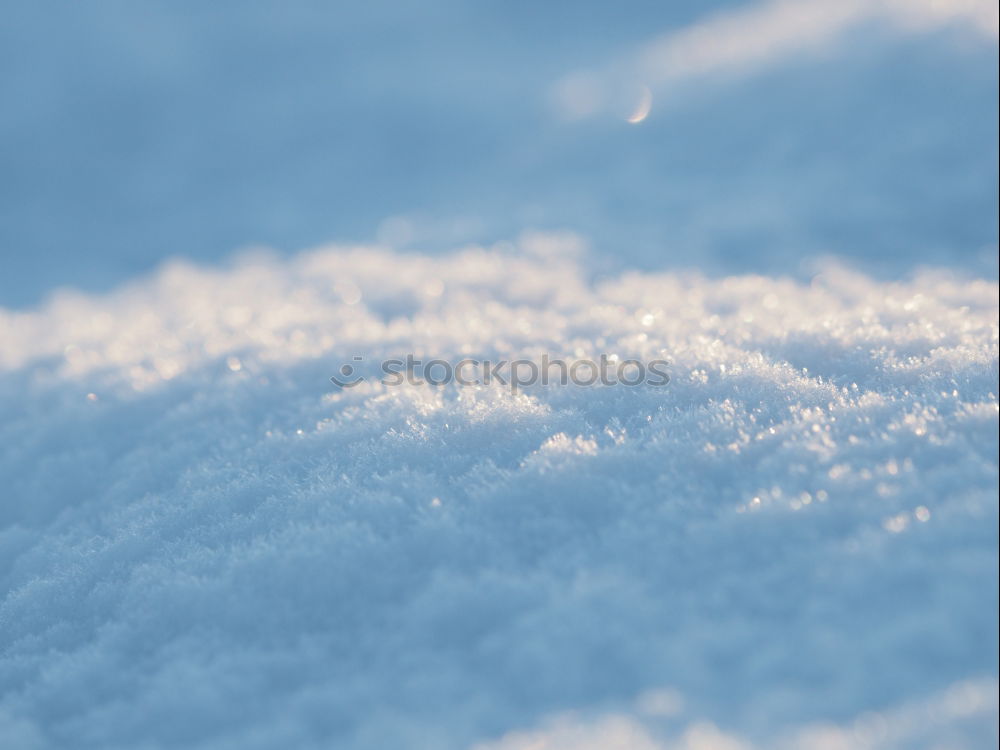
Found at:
(205, 544)
(780, 131)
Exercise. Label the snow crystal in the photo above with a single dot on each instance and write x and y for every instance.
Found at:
(205, 543)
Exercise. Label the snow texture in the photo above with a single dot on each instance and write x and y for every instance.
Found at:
(205, 544)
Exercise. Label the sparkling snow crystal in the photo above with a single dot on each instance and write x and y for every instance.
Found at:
(205, 543)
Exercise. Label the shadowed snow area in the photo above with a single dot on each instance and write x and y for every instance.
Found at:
(206, 544)
(728, 136)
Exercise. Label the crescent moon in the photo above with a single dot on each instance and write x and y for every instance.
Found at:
(641, 110)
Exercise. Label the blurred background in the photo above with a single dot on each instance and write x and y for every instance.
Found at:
(728, 137)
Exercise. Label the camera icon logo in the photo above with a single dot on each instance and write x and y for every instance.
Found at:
(347, 378)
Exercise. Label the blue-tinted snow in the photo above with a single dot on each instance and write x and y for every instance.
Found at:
(205, 544)
(133, 132)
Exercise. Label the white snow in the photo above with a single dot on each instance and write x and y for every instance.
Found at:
(204, 544)
(950, 718)
(750, 37)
